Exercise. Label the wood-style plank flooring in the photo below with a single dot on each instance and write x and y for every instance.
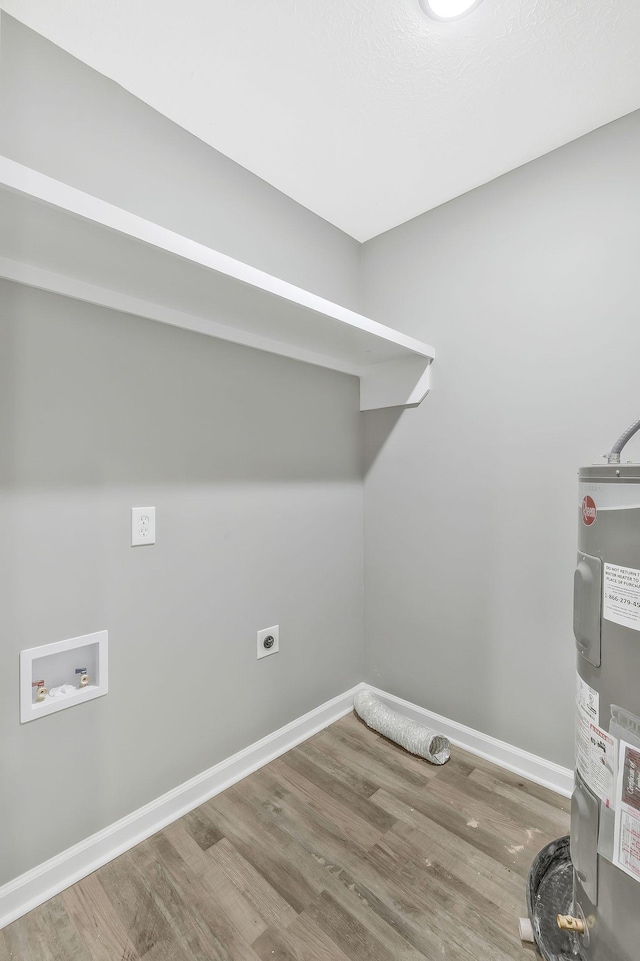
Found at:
(345, 848)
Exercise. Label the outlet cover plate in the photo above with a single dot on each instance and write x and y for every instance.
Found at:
(143, 526)
(266, 632)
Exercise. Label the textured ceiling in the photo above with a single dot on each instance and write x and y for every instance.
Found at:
(365, 111)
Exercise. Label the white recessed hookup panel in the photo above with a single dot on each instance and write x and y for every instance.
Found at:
(60, 675)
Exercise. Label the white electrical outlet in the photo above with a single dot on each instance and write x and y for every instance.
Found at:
(143, 526)
(268, 641)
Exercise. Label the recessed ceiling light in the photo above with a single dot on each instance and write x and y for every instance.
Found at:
(448, 9)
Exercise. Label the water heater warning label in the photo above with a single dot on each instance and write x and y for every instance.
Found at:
(595, 749)
(587, 701)
(596, 759)
(621, 596)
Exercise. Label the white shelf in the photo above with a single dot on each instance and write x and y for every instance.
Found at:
(55, 664)
(60, 239)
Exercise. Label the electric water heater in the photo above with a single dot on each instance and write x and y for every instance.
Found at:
(605, 807)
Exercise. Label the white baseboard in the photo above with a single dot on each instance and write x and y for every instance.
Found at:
(44, 881)
(507, 756)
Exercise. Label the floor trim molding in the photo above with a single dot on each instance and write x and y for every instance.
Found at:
(530, 766)
(51, 877)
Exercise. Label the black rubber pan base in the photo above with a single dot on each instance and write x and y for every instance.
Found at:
(549, 893)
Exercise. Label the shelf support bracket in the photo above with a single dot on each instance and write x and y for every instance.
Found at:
(395, 383)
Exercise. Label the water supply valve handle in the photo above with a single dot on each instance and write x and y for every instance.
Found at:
(84, 676)
(42, 691)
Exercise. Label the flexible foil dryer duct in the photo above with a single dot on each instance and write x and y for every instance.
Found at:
(410, 735)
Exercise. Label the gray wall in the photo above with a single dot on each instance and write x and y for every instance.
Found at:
(252, 461)
(528, 289)
(70, 122)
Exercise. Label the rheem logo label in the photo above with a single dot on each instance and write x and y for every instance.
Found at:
(589, 510)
